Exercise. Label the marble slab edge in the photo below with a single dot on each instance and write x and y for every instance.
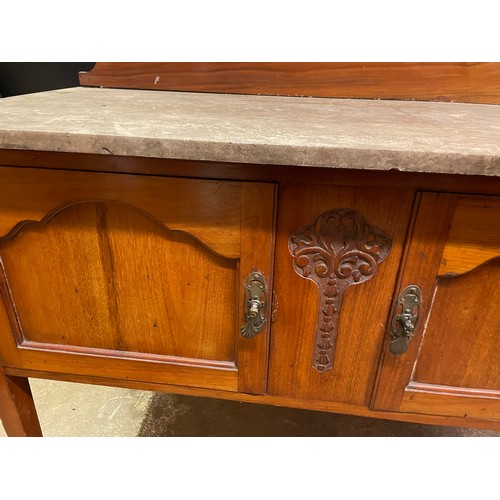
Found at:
(272, 154)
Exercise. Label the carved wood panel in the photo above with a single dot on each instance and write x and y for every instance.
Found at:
(365, 309)
(338, 249)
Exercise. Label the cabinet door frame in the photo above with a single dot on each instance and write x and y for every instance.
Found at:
(248, 371)
(396, 389)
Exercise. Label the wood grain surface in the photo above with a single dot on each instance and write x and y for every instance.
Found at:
(105, 276)
(474, 237)
(454, 356)
(258, 230)
(262, 173)
(307, 404)
(461, 346)
(426, 245)
(208, 210)
(101, 284)
(17, 409)
(364, 309)
(453, 405)
(445, 221)
(460, 82)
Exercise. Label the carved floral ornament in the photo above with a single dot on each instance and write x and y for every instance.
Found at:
(339, 248)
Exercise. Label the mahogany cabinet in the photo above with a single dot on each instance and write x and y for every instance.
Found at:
(145, 281)
(329, 254)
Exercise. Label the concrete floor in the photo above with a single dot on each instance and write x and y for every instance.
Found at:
(71, 410)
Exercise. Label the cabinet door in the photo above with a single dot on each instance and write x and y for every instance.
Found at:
(452, 365)
(135, 277)
(338, 251)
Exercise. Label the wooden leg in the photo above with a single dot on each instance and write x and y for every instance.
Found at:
(17, 409)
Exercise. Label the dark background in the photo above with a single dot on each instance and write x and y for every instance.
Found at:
(26, 77)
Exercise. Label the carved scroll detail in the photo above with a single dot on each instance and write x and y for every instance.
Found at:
(339, 248)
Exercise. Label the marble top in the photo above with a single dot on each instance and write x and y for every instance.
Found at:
(316, 132)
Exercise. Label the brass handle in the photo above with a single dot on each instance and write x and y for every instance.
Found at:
(255, 305)
(405, 319)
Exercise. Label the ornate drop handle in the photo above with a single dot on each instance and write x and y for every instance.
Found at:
(405, 319)
(255, 305)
